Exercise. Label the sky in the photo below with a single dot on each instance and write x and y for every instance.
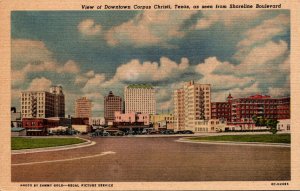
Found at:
(91, 53)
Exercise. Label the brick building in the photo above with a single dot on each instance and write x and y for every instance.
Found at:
(112, 103)
(240, 111)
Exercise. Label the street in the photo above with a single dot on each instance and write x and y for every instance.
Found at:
(122, 159)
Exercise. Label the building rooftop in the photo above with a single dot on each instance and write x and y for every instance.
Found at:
(144, 86)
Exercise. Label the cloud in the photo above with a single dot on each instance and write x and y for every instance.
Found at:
(19, 76)
(279, 92)
(94, 83)
(135, 71)
(88, 27)
(263, 58)
(268, 29)
(69, 67)
(149, 28)
(210, 69)
(28, 51)
(40, 84)
(228, 18)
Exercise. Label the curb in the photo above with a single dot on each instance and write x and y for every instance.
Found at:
(58, 148)
(184, 140)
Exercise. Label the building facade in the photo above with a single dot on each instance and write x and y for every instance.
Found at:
(240, 111)
(112, 104)
(43, 104)
(140, 98)
(132, 118)
(97, 121)
(83, 108)
(59, 101)
(191, 104)
(178, 100)
(160, 121)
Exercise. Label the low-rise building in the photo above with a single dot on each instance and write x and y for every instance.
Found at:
(210, 126)
(97, 121)
(162, 121)
(132, 118)
(18, 131)
(284, 125)
(81, 124)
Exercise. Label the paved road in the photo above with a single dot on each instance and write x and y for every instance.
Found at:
(123, 159)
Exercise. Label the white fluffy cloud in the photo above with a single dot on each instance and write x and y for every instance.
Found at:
(19, 76)
(94, 84)
(263, 58)
(88, 27)
(278, 25)
(227, 18)
(151, 71)
(40, 84)
(28, 51)
(149, 28)
(220, 81)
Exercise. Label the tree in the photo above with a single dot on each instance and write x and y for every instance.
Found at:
(272, 124)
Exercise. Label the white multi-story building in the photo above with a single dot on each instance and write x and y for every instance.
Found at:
(140, 98)
(43, 104)
(191, 104)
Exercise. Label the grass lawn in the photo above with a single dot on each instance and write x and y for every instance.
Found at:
(267, 138)
(18, 143)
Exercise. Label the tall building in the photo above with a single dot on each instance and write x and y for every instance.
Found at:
(140, 98)
(178, 99)
(191, 104)
(83, 108)
(43, 104)
(242, 110)
(59, 101)
(112, 104)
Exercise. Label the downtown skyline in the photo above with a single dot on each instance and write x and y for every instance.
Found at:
(92, 53)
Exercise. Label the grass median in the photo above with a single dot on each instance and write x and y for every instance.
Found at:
(264, 138)
(18, 143)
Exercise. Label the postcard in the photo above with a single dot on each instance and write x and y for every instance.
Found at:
(160, 95)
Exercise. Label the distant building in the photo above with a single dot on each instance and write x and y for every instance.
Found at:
(284, 125)
(191, 103)
(160, 121)
(59, 101)
(210, 126)
(132, 118)
(43, 104)
(112, 104)
(140, 98)
(81, 124)
(240, 111)
(97, 121)
(221, 110)
(15, 118)
(18, 131)
(83, 108)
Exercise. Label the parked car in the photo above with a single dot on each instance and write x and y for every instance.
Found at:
(179, 132)
(154, 132)
(119, 133)
(188, 132)
(169, 131)
(105, 133)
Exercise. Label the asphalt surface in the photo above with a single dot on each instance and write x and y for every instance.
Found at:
(135, 159)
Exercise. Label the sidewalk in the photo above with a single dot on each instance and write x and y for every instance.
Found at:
(58, 148)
